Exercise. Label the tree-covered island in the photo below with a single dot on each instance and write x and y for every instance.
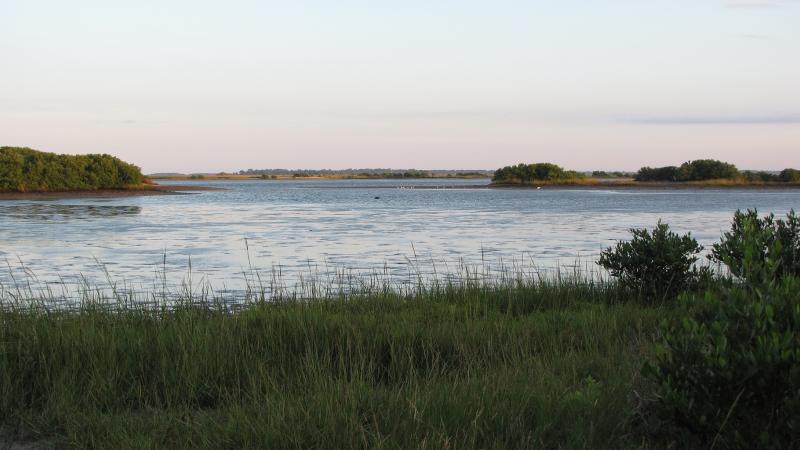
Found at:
(701, 172)
(28, 170)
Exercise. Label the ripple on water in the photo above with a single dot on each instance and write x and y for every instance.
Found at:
(342, 225)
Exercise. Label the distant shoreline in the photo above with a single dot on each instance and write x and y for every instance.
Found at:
(237, 177)
(631, 184)
(586, 183)
(107, 193)
(573, 186)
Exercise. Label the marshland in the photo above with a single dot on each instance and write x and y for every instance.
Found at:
(400, 225)
(260, 315)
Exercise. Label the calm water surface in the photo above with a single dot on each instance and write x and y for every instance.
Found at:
(297, 226)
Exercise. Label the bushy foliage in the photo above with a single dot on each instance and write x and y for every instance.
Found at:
(759, 176)
(24, 169)
(706, 169)
(659, 264)
(790, 175)
(526, 173)
(668, 173)
(760, 246)
(697, 170)
(728, 369)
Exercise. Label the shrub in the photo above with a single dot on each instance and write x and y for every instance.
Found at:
(526, 173)
(760, 249)
(790, 175)
(706, 169)
(668, 173)
(25, 169)
(728, 370)
(759, 176)
(659, 264)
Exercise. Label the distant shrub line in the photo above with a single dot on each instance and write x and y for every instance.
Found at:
(26, 170)
(697, 170)
(710, 169)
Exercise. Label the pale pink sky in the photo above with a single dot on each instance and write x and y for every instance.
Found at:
(192, 86)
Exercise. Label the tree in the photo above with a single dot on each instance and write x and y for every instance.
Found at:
(25, 169)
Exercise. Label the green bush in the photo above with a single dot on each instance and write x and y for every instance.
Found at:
(527, 173)
(759, 176)
(659, 264)
(758, 248)
(728, 370)
(706, 169)
(697, 170)
(25, 169)
(790, 175)
(668, 173)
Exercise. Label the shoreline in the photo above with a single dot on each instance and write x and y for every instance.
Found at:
(647, 185)
(108, 193)
(575, 186)
(291, 178)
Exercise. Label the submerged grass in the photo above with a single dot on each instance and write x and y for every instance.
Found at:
(519, 363)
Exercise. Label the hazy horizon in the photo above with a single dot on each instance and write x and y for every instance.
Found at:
(180, 86)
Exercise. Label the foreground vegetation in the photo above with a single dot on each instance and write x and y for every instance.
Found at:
(28, 170)
(665, 356)
(513, 367)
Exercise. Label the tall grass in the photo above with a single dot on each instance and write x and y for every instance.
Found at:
(517, 362)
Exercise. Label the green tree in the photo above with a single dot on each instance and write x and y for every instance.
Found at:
(706, 169)
(25, 169)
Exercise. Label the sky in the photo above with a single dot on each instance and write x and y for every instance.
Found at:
(207, 86)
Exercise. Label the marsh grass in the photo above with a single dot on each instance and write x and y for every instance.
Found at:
(519, 361)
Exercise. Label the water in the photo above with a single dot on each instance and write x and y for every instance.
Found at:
(299, 226)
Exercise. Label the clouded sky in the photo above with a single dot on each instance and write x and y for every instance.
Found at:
(175, 85)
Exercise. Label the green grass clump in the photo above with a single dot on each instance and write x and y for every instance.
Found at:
(518, 364)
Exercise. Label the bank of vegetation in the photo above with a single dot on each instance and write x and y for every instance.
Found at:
(701, 172)
(669, 353)
(360, 173)
(526, 174)
(28, 170)
(706, 170)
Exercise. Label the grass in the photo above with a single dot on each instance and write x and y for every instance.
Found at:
(519, 363)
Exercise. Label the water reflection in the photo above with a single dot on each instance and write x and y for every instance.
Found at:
(58, 212)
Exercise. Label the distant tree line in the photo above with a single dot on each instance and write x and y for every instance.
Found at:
(362, 173)
(528, 173)
(697, 170)
(25, 169)
(404, 174)
(710, 169)
(615, 174)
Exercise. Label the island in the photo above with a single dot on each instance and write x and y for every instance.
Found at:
(696, 173)
(26, 173)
